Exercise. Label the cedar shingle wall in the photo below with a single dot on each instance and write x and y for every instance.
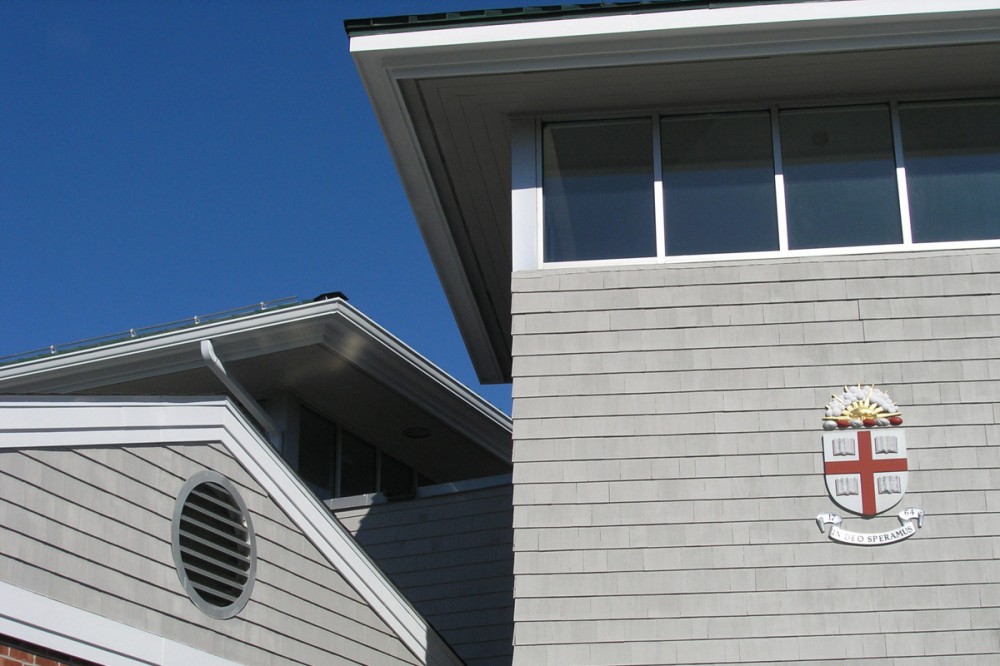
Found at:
(668, 461)
(452, 557)
(91, 527)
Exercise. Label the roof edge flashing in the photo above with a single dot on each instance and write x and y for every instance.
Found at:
(617, 25)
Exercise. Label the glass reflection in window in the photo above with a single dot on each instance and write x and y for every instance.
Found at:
(718, 183)
(952, 155)
(840, 177)
(598, 190)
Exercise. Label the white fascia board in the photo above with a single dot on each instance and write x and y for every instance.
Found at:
(645, 23)
(105, 358)
(261, 333)
(35, 422)
(31, 617)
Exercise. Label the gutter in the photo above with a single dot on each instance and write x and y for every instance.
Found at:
(241, 394)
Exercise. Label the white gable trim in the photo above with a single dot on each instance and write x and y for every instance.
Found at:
(34, 422)
(31, 617)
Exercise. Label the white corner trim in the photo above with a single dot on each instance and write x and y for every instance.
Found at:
(37, 619)
(36, 422)
(526, 240)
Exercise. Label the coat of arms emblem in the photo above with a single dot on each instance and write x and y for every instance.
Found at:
(864, 462)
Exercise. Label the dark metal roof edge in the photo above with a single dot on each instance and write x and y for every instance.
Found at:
(414, 22)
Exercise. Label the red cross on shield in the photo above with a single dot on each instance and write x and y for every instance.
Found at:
(865, 470)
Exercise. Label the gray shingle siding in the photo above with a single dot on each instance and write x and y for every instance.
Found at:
(452, 556)
(91, 527)
(668, 465)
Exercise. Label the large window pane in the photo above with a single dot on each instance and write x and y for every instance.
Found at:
(357, 466)
(952, 155)
(598, 190)
(718, 184)
(840, 180)
(395, 478)
(317, 452)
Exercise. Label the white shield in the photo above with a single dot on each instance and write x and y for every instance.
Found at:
(865, 470)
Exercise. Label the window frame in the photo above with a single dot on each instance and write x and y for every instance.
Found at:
(528, 233)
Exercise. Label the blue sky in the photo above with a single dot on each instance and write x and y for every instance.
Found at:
(164, 159)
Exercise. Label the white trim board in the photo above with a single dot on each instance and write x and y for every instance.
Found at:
(48, 623)
(74, 422)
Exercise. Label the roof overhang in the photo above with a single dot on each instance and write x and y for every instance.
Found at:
(445, 99)
(327, 354)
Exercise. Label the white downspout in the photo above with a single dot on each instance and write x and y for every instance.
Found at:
(241, 394)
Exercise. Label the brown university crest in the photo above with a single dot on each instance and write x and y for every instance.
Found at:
(864, 463)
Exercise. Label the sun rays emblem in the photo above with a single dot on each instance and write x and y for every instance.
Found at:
(861, 407)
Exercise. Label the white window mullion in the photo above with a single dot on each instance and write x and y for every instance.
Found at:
(779, 183)
(539, 196)
(661, 232)
(904, 199)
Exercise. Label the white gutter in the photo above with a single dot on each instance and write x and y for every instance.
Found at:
(241, 394)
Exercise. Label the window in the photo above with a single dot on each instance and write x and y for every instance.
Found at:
(840, 177)
(336, 463)
(952, 154)
(776, 180)
(599, 190)
(318, 452)
(718, 183)
(358, 467)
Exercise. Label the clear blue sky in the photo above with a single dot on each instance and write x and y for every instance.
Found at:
(163, 159)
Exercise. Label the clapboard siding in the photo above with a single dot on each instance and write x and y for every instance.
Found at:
(452, 556)
(668, 467)
(91, 527)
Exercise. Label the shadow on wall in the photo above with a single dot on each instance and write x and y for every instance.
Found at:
(452, 556)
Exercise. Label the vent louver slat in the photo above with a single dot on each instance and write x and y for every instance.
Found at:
(190, 525)
(233, 568)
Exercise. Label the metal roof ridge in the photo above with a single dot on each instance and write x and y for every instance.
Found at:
(431, 21)
(243, 312)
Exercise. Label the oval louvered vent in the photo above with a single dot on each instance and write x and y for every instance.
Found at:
(213, 545)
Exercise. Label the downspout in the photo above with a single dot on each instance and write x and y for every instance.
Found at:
(241, 394)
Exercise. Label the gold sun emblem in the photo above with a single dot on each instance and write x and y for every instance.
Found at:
(861, 406)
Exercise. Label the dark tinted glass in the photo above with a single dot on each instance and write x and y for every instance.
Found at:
(840, 177)
(718, 184)
(317, 452)
(952, 155)
(357, 466)
(598, 190)
(395, 478)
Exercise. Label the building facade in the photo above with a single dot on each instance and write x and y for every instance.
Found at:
(174, 498)
(678, 229)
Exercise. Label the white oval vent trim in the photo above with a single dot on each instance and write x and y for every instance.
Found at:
(213, 545)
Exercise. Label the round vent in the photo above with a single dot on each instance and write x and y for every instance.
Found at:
(213, 544)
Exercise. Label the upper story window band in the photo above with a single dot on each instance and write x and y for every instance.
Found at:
(774, 180)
